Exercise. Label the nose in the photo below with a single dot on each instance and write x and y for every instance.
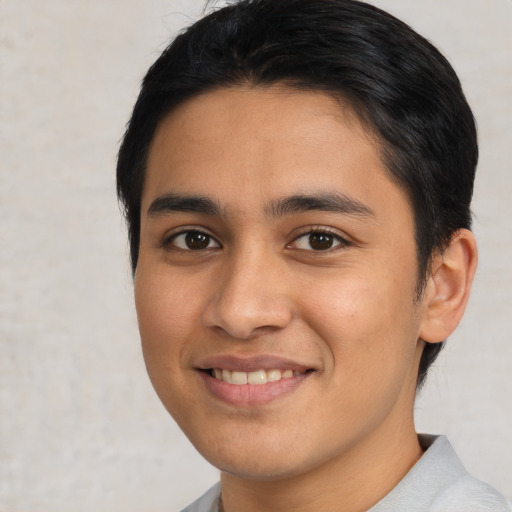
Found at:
(249, 297)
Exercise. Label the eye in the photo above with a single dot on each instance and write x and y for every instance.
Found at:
(319, 241)
(192, 240)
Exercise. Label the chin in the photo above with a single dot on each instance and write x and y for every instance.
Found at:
(259, 459)
(258, 470)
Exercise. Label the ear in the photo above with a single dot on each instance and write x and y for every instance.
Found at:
(448, 287)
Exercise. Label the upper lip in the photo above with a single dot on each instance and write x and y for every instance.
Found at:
(251, 363)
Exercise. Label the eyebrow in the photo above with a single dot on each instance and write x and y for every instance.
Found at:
(328, 202)
(171, 203)
(300, 203)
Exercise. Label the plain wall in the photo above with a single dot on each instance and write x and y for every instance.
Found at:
(80, 426)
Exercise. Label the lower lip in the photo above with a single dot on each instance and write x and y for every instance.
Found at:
(250, 394)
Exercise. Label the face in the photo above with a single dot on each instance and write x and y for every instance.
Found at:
(276, 281)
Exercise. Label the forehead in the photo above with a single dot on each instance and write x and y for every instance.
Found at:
(261, 143)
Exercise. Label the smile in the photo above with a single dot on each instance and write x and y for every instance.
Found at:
(256, 378)
(253, 381)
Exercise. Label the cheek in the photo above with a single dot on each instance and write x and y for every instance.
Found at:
(347, 306)
(166, 311)
(368, 323)
(167, 315)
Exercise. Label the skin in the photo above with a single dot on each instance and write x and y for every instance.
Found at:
(345, 434)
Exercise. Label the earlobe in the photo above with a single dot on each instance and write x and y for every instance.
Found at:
(448, 287)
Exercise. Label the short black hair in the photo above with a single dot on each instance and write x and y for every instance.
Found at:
(398, 83)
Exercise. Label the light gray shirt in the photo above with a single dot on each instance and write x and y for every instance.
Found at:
(438, 482)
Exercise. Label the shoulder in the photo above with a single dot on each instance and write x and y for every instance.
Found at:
(471, 495)
(208, 502)
(439, 482)
(461, 491)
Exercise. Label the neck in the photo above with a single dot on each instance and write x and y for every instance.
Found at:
(356, 480)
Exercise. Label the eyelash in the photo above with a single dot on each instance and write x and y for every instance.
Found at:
(319, 230)
(170, 241)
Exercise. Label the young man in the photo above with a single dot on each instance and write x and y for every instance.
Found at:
(297, 178)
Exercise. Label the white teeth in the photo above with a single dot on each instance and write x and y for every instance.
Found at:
(255, 378)
(273, 375)
(238, 378)
(259, 377)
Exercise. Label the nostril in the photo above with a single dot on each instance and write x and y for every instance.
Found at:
(245, 310)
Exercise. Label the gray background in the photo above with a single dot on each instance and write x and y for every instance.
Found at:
(80, 427)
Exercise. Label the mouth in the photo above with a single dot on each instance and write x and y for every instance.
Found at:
(256, 378)
(253, 381)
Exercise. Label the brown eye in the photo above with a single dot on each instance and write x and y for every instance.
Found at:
(321, 241)
(194, 241)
